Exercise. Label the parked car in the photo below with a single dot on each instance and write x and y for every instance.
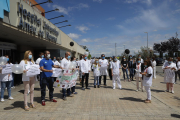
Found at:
(159, 61)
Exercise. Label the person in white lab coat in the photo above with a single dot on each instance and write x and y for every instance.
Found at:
(154, 67)
(103, 70)
(85, 67)
(96, 72)
(6, 81)
(28, 81)
(73, 60)
(80, 73)
(92, 62)
(57, 63)
(109, 67)
(139, 56)
(169, 74)
(178, 69)
(115, 71)
(147, 79)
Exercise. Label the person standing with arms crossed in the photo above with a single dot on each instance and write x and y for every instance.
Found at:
(46, 65)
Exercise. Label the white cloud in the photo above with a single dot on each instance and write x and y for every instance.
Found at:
(73, 35)
(100, 1)
(85, 40)
(111, 18)
(67, 10)
(149, 2)
(82, 28)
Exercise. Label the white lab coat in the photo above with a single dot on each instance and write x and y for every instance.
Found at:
(56, 63)
(38, 60)
(138, 70)
(104, 65)
(6, 77)
(24, 77)
(178, 65)
(96, 70)
(147, 81)
(154, 68)
(85, 66)
(65, 63)
(169, 75)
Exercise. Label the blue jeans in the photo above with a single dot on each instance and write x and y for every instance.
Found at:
(41, 76)
(12, 85)
(125, 71)
(64, 92)
(131, 72)
(96, 78)
(3, 86)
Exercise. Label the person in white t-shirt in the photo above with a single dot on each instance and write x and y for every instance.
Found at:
(154, 67)
(147, 79)
(115, 71)
(41, 56)
(96, 72)
(80, 73)
(103, 70)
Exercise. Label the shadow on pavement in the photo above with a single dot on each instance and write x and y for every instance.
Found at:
(177, 98)
(154, 90)
(17, 104)
(175, 115)
(37, 89)
(128, 89)
(132, 99)
(163, 82)
(21, 91)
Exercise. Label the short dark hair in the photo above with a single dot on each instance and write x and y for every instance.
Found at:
(46, 51)
(102, 55)
(148, 63)
(170, 58)
(41, 53)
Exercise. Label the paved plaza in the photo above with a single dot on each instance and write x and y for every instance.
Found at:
(97, 104)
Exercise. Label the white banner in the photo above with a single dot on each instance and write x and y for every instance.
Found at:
(6, 69)
(56, 72)
(33, 70)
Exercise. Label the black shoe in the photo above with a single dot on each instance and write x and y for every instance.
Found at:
(88, 88)
(98, 86)
(82, 89)
(94, 86)
(105, 85)
(64, 98)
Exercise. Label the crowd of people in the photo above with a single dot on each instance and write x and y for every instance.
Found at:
(133, 68)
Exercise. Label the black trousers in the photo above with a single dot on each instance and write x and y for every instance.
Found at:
(86, 75)
(110, 74)
(104, 79)
(50, 81)
(177, 73)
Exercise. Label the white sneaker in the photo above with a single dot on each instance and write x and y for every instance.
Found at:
(172, 92)
(114, 88)
(10, 98)
(13, 87)
(2, 99)
(137, 90)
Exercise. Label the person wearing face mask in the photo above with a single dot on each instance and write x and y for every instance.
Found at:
(57, 63)
(139, 56)
(124, 65)
(115, 72)
(178, 69)
(85, 67)
(154, 67)
(28, 81)
(109, 68)
(131, 68)
(41, 56)
(80, 73)
(73, 60)
(103, 70)
(96, 71)
(6, 81)
(65, 65)
(138, 67)
(147, 79)
(123, 58)
(46, 65)
(169, 74)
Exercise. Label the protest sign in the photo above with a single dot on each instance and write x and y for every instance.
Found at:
(56, 72)
(6, 69)
(33, 70)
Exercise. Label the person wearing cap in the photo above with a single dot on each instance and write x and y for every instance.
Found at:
(103, 69)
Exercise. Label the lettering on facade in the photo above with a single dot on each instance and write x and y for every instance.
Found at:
(32, 20)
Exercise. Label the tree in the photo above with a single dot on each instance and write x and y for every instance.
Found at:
(144, 52)
(158, 47)
(85, 47)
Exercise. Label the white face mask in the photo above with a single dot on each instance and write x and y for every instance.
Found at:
(49, 55)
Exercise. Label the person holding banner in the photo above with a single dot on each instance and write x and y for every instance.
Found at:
(6, 81)
(28, 81)
(103, 70)
(65, 66)
(46, 65)
(85, 69)
(115, 72)
(73, 60)
(169, 74)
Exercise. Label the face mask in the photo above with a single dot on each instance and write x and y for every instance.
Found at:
(7, 59)
(69, 57)
(42, 56)
(74, 60)
(110, 59)
(48, 56)
(139, 57)
(170, 62)
(60, 61)
(85, 58)
(30, 56)
(54, 59)
(124, 58)
(130, 57)
(103, 57)
(139, 61)
(97, 62)
(115, 59)
(145, 66)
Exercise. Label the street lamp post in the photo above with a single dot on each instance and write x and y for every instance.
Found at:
(64, 26)
(147, 38)
(56, 17)
(61, 22)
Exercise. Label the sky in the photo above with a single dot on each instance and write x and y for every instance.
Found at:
(99, 24)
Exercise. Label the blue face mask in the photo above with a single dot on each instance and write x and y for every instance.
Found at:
(115, 59)
(130, 57)
(69, 57)
(30, 56)
(7, 59)
(145, 66)
(139, 61)
(169, 62)
(85, 58)
(139, 57)
(60, 61)
(103, 57)
(42, 56)
(110, 59)
(124, 58)
(74, 60)
(97, 62)
(54, 59)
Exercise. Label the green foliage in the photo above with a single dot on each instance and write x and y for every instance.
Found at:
(144, 52)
